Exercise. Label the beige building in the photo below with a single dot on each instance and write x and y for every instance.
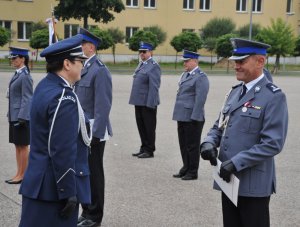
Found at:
(173, 16)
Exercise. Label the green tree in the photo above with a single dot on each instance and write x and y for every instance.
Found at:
(38, 26)
(281, 38)
(39, 39)
(145, 36)
(186, 40)
(4, 36)
(217, 27)
(297, 48)
(100, 11)
(243, 31)
(224, 47)
(158, 31)
(106, 39)
(210, 45)
(117, 37)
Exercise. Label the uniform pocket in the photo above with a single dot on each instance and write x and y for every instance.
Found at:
(250, 121)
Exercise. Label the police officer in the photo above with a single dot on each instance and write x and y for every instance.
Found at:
(250, 131)
(94, 91)
(189, 114)
(145, 97)
(19, 95)
(57, 177)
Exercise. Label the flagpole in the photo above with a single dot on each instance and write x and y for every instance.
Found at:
(53, 22)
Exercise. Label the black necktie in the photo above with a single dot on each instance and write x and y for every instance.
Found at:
(187, 75)
(244, 90)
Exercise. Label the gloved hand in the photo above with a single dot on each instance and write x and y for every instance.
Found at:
(22, 122)
(69, 208)
(95, 141)
(209, 152)
(227, 168)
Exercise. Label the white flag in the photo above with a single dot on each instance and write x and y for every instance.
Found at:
(52, 35)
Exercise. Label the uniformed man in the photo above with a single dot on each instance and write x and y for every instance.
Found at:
(94, 91)
(189, 114)
(57, 177)
(250, 131)
(145, 98)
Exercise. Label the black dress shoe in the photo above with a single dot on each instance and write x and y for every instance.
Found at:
(80, 219)
(189, 177)
(88, 223)
(137, 154)
(14, 182)
(178, 175)
(146, 155)
(6, 181)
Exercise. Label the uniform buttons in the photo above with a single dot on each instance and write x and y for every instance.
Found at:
(242, 165)
(62, 190)
(81, 173)
(230, 125)
(226, 137)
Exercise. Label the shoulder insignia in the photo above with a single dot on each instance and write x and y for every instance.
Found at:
(154, 62)
(235, 86)
(273, 87)
(100, 62)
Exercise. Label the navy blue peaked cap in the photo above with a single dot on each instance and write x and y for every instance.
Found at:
(243, 48)
(17, 51)
(187, 55)
(146, 46)
(64, 49)
(89, 37)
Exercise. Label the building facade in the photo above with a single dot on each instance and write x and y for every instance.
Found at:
(173, 16)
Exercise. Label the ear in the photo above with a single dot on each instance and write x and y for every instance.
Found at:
(67, 64)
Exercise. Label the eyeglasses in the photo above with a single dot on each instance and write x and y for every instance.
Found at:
(13, 58)
(143, 51)
(80, 60)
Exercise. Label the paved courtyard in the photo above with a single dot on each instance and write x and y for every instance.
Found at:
(142, 193)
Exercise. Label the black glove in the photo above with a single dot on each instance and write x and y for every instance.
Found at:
(95, 141)
(227, 168)
(22, 122)
(69, 208)
(209, 152)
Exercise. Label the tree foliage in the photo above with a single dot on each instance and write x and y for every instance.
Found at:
(159, 32)
(243, 31)
(217, 27)
(106, 39)
(100, 11)
(39, 39)
(38, 26)
(297, 48)
(117, 37)
(145, 36)
(4, 36)
(281, 38)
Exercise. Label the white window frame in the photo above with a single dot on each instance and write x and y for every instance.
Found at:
(188, 4)
(131, 4)
(290, 10)
(240, 9)
(149, 4)
(255, 4)
(24, 38)
(2, 24)
(131, 31)
(204, 4)
(71, 28)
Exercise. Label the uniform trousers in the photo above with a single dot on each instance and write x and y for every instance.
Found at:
(189, 135)
(146, 123)
(251, 211)
(94, 211)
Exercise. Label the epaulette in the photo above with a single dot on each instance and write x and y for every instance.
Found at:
(154, 62)
(25, 70)
(235, 86)
(273, 87)
(100, 62)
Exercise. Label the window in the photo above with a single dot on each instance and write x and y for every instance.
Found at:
(130, 31)
(149, 3)
(5, 24)
(289, 6)
(204, 4)
(24, 30)
(241, 5)
(256, 7)
(188, 30)
(132, 3)
(188, 4)
(71, 30)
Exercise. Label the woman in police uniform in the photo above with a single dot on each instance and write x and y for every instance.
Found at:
(19, 94)
(57, 177)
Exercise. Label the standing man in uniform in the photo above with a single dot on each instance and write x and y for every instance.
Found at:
(250, 131)
(189, 114)
(145, 97)
(94, 91)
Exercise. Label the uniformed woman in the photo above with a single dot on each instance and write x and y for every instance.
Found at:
(57, 177)
(19, 94)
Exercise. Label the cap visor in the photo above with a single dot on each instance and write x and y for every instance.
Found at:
(234, 58)
(13, 56)
(184, 59)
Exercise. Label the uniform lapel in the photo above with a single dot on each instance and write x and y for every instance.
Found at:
(15, 76)
(88, 65)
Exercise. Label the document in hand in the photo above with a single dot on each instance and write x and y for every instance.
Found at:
(230, 189)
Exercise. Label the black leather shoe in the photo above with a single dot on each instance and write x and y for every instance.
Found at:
(80, 219)
(88, 223)
(189, 177)
(137, 154)
(6, 181)
(178, 175)
(146, 155)
(14, 182)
